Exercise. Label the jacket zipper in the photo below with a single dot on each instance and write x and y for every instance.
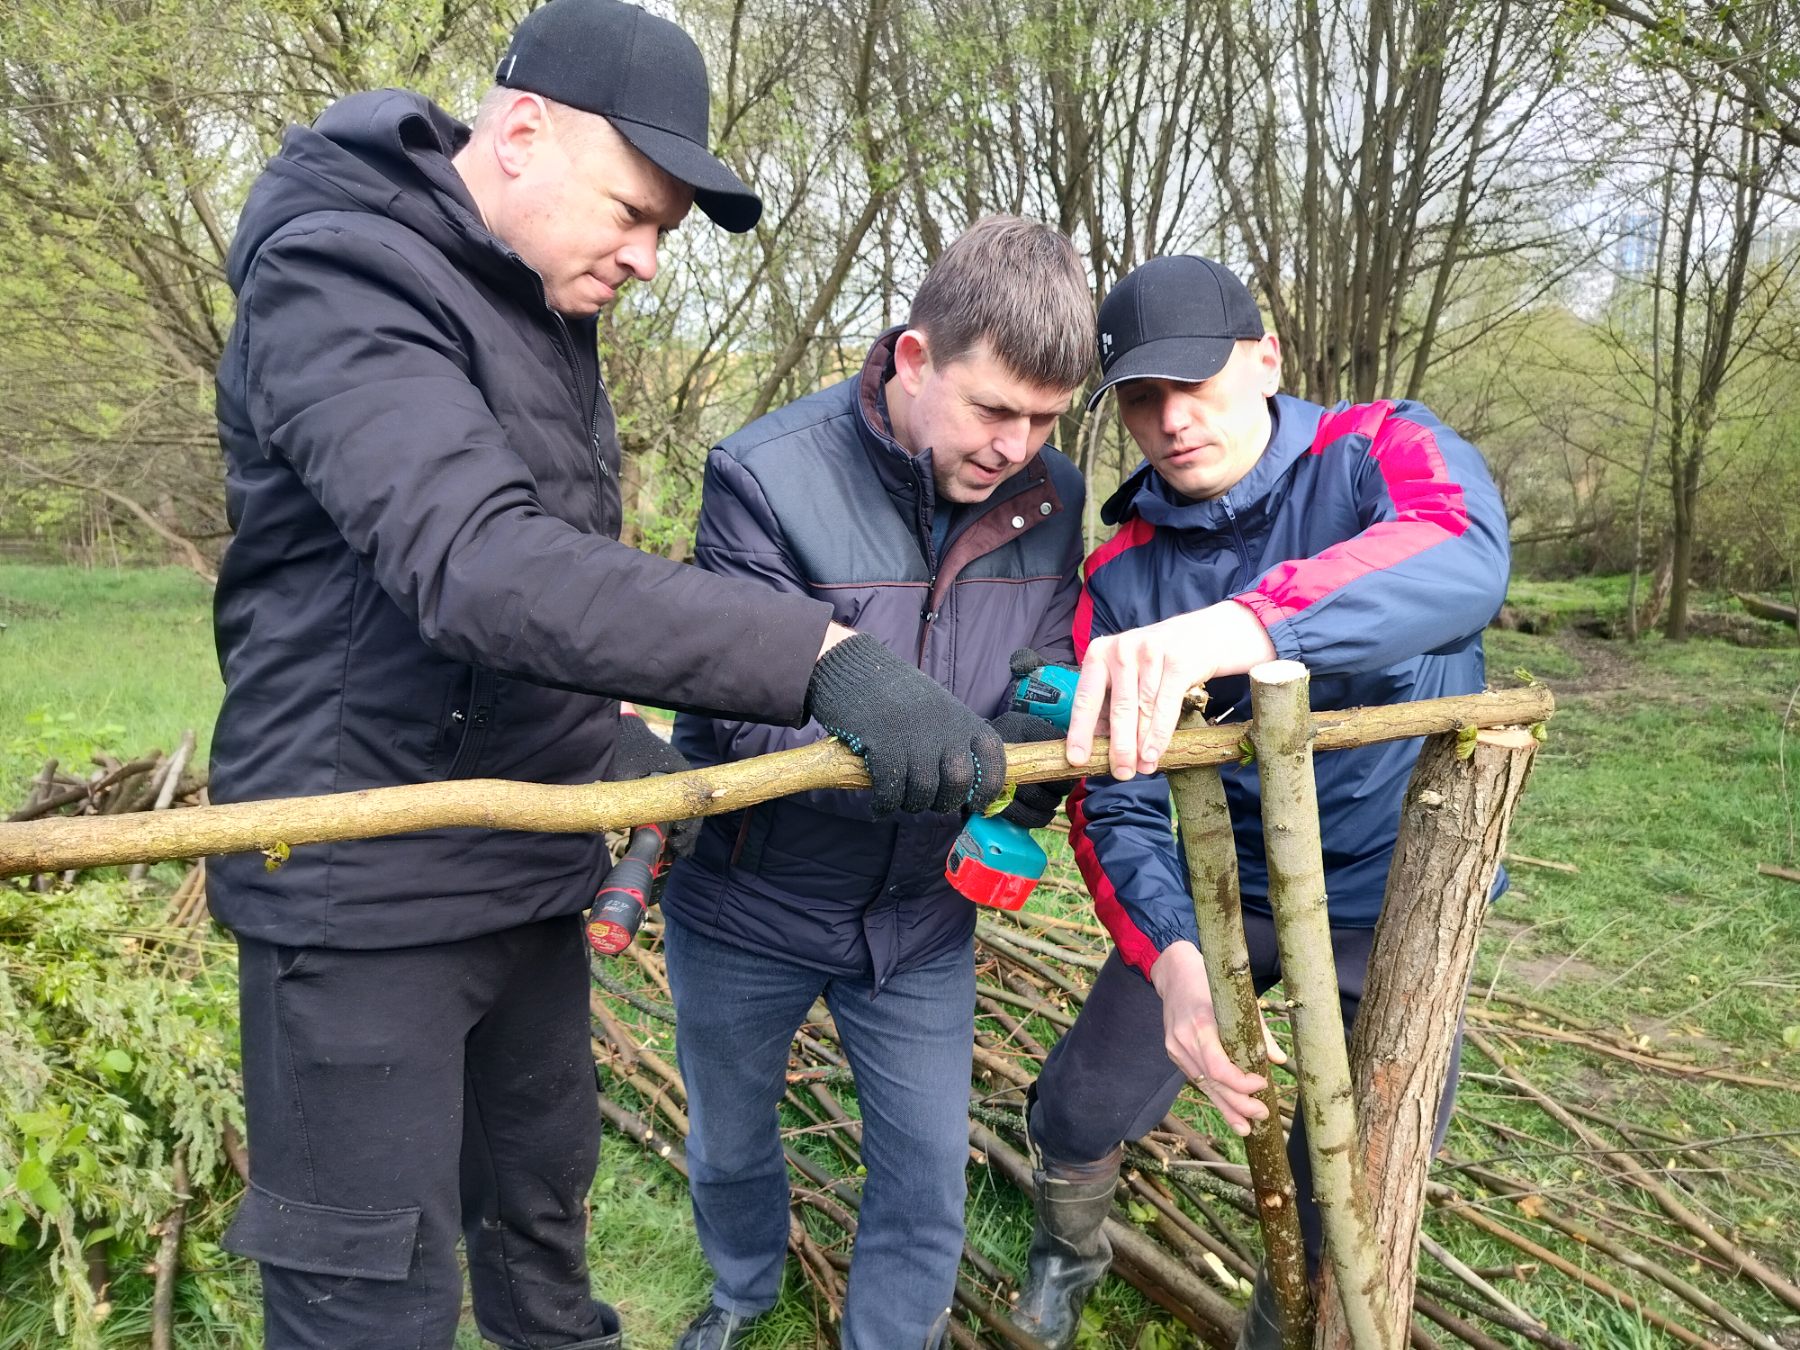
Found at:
(927, 615)
(567, 346)
(1243, 548)
(474, 733)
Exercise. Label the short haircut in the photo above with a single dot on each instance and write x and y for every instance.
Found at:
(1020, 286)
(582, 129)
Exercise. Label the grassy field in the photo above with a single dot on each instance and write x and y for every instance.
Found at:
(113, 660)
(1661, 783)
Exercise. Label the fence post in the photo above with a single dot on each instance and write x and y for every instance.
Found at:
(1282, 734)
(1212, 868)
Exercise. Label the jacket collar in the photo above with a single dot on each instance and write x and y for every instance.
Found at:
(1293, 424)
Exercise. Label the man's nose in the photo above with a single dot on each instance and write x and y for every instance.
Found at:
(638, 257)
(1174, 415)
(1013, 440)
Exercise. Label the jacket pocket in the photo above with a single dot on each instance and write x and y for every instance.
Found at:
(476, 717)
(366, 1244)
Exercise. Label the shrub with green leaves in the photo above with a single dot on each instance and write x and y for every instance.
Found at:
(118, 1048)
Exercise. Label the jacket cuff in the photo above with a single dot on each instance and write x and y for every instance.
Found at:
(1166, 929)
(1280, 630)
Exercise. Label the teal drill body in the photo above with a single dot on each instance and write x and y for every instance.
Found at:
(995, 861)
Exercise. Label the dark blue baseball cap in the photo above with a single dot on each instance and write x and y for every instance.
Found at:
(642, 74)
(1174, 318)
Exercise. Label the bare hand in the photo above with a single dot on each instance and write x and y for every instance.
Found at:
(1148, 671)
(1191, 1037)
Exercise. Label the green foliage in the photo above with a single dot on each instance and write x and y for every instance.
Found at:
(114, 1055)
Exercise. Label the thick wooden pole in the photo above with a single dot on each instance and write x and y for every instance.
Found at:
(1282, 734)
(58, 844)
(1212, 865)
(1453, 826)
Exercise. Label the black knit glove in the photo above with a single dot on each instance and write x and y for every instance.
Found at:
(1033, 804)
(925, 751)
(641, 753)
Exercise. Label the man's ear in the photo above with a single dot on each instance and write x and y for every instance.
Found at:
(912, 361)
(1268, 355)
(520, 132)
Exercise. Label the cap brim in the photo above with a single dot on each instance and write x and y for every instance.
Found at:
(717, 190)
(1185, 359)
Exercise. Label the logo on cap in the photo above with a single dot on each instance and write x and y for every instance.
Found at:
(1106, 351)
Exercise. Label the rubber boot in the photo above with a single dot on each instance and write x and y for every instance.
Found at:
(715, 1329)
(1262, 1321)
(1069, 1250)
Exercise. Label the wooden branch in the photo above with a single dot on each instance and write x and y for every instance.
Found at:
(494, 804)
(1290, 808)
(1453, 829)
(44, 805)
(168, 1262)
(1780, 873)
(1466, 1211)
(1739, 1258)
(170, 776)
(1212, 868)
(196, 561)
(1546, 863)
(1769, 609)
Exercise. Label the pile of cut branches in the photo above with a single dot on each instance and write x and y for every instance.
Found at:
(154, 781)
(1561, 1207)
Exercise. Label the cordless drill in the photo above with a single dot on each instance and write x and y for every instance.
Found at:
(624, 893)
(995, 861)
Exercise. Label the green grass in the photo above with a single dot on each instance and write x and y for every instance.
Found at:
(120, 660)
(1660, 781)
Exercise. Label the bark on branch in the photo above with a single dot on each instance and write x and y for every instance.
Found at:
(494, 804)
(1212, 867)
(1290, 809)
(1453, 830)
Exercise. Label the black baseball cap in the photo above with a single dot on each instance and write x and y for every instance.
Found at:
(1174, 318)
(642, 74)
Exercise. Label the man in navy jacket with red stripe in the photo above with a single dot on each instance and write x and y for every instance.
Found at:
(1368, 542)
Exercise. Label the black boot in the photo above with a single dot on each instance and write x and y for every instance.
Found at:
(1069, 1250)
(715, 1329)
(1262, 1322)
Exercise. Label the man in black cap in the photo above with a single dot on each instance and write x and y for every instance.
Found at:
(426, 583)
(1368, 542)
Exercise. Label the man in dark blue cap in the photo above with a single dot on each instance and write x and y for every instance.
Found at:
(1368, 542)
(426, 583)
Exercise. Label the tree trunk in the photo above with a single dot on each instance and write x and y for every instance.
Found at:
(1212, 868)
(1650, 614)
(1453, 831)
(1681, 561)
(1282, 734)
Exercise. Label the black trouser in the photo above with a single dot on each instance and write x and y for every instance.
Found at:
(1109, 1079)
(398, 1097)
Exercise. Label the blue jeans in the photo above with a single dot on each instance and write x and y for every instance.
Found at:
(910, 1050)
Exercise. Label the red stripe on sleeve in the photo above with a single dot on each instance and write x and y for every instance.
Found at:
(1137, 531)
(1137, 949)
(1429, 502)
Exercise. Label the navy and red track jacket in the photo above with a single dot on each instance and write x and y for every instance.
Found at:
(1372, 544)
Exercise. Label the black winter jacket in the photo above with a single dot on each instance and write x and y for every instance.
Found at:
(425, 582)
(818, 499)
